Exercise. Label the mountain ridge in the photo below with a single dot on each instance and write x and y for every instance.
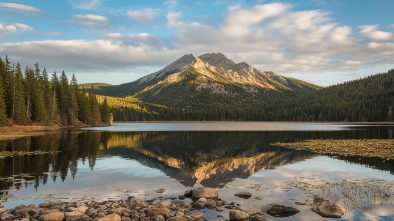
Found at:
(210, 73)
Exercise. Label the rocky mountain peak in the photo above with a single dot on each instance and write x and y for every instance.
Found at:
(218, 60)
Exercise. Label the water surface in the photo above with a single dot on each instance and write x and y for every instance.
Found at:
(111, 163)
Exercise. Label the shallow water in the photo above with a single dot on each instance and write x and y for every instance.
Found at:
(136, 159)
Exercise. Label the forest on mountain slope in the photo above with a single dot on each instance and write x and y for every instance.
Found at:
(367, 99)
(32, 98)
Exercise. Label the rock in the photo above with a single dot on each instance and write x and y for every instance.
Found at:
(151, 212)
(134, 202)
(326, 208)
(196, 215)
(176, 218)
(211, 203)
(204, 192)
(258, 218)
(56, 216)
(245, 195)
(164, 204)
(160, 191)
(300, 203)
(219, 209)
(188, 193)
(200, 203)
(249, 211)
(7, 216)
(282, 211)
(112, 217)
(236, 215)
(159, 218)
(75, 215)
(91, 212)
(181, 197)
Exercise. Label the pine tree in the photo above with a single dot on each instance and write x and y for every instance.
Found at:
(19, 106)
(48, 95)
(64, 99)
(3, 116)
(29, 89)
(8, 85)
(105, 112)
(55, 90)
(94, 107)
(74, 91)
(84, 111)
(40, 114)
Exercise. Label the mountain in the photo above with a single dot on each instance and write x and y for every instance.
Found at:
(209, 80)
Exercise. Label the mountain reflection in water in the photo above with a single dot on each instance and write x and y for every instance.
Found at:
(228, 160)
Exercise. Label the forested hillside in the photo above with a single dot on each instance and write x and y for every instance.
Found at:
(368, 99)
(28, 96)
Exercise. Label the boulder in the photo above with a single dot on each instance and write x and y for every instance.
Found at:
(282, 211)
(56, 216)
(238, 215)
(200, 203)
(258, 218)
(164, 204)
(112, 217)
(151, 212)
(196, 215)
(249, 211)
(204, 192)
(134, 202)
(176, 218)
(326, 208)
(245, 195)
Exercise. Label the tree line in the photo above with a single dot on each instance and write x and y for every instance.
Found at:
(29, 97)
(370, 99)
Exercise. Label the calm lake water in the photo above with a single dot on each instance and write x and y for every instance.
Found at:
(111, 163)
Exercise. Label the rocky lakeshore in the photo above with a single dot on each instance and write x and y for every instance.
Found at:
(187, 207)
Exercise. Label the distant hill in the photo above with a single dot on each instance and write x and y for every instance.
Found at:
(209, 81)
(95, 85)
(367, 99)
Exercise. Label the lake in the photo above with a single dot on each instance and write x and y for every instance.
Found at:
(111, 163)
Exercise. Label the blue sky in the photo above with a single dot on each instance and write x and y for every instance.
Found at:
(319, 41)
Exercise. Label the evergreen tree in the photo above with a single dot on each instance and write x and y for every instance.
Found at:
(40, 114)
(3, 116)
(48, 96)
(19, 105)
(105, 112)
(55, 90)
(29, 89)
(64, 99)
(84, 111)
(74, 91)
(94, 107)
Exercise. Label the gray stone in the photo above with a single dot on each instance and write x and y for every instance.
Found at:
(326, 208)
(204, 192)
(282, 211)
(244, 195)
(258, 218)
(237, 215)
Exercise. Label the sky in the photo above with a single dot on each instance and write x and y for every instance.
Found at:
(324, 42)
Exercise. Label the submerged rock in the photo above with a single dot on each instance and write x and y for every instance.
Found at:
(204, 192)
(282, 211)
(326, 208)
(245, 195)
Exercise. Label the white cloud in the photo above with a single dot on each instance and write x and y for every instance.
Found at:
(85, 4)
(6, 29)
(171, 4)
(391, 26)
(24, 9)
(144, 15)
(270, 37)
(92, 20)
(371, 32)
